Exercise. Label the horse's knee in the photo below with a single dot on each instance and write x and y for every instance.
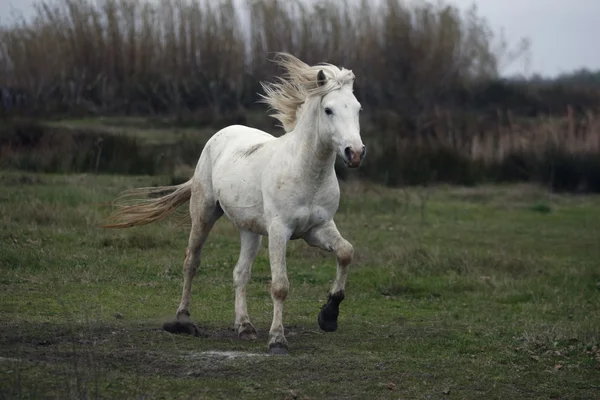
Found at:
(241, 275)
(280, 289)
(345, 252)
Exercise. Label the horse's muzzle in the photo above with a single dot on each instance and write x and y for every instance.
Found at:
(353, 158)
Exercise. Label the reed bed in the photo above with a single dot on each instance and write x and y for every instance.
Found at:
(169, 55)
(202, 60)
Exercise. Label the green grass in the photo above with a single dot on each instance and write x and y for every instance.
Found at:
(145, 130)
(160, 131)
(474, 293)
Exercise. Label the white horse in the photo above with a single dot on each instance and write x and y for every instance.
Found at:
(284, 188)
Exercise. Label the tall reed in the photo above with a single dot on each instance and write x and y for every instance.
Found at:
(136, 56)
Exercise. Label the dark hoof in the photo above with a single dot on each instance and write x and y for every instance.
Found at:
(329, 313)
(177, 327)
(278, 349)
(248, 335)
(327, 325)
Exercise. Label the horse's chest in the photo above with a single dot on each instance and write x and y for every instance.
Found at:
(303, 205)
(319, 214)
(313, 214)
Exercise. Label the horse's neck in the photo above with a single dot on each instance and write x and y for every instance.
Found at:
(313, 157)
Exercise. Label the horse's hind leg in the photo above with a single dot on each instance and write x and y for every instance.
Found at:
(204, 214)
(250, 245)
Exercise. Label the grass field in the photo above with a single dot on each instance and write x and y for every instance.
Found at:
(490, 292)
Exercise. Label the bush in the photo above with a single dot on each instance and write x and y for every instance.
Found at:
(33, 147)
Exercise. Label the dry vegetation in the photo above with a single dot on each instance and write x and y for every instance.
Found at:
(419, 67)
(495, 141)
(173, 54)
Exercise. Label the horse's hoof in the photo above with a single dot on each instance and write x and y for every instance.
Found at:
(185, 327)
(246, 331)
(278, 349)
(247, 335)
(327, 318)
(327, 325)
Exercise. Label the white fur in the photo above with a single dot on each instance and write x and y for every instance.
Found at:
(284, 188)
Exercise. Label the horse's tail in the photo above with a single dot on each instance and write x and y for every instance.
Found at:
(142, 206)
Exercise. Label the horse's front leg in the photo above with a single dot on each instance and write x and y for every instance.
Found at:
(278, 238)
(327, 237)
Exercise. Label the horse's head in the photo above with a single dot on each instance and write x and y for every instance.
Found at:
(327, 89)
(338, 122)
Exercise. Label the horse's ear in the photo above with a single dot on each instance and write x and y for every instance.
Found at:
(321, 79)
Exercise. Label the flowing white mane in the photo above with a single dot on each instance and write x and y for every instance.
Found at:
(300, 81)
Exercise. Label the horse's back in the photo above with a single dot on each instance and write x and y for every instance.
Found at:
(236, 139)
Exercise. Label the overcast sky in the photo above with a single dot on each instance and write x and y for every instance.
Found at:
(564, 34)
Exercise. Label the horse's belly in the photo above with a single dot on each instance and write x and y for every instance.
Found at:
(239, 161)
(246, 219)
(241, 201)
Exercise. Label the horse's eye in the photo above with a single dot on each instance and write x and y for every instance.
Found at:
(328, 111)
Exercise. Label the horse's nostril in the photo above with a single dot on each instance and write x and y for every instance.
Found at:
(364, 152)
(348, 153)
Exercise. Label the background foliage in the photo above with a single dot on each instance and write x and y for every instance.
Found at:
(428, 76)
